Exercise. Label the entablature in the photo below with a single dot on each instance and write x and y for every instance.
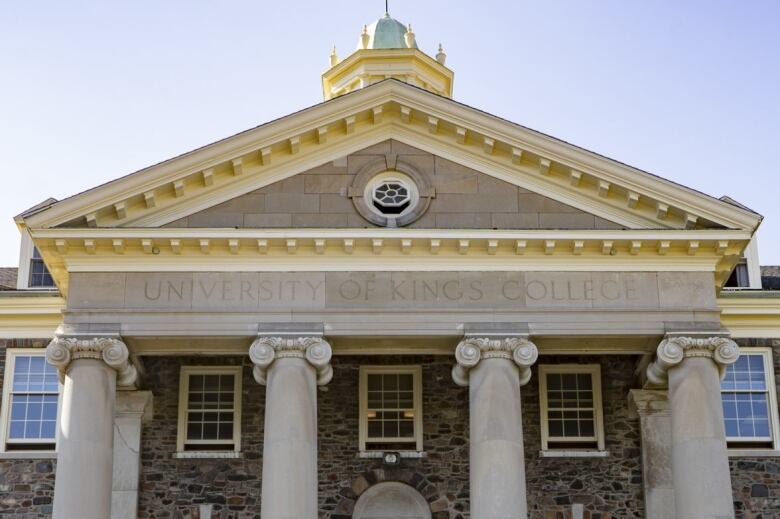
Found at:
(234, 250)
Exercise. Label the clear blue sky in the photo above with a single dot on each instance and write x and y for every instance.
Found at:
(689, 90)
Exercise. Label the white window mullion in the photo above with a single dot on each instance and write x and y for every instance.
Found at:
(207, 416)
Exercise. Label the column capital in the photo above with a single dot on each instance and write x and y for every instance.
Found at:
(471, 350)
(315, 350)
(63, 350)
(674, 349)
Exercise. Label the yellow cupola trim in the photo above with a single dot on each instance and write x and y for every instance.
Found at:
(387, 49)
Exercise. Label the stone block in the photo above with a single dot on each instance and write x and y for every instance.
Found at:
(601, 223)
(158, 290)
(177, 224)
(529, 202)
(260, 221)
(566, 221)
(376, 149)
(320, 220)
(463, 221)
(329, 168)
(548, 205)
(336, 203)
(326, 183)
(293, 184)
(688, 290)
(515, 220)
(248, 203)
(400, 148)
(215, 220)
(96, 290)
(356, 162)
(488, 184)
(292, 203)
(475, 203)
(552, 290)
(422, 163)
(451, 177)
(625, 290)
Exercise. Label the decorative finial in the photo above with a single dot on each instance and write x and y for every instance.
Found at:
(409, 37)
(334, 58)
(441, 57)
(387, 7)
(364, 37)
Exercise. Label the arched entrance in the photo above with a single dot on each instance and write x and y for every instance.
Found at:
(391, 500)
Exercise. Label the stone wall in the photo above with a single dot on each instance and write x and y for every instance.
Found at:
(465, 199)
(26, 485)
(608, 487)
(756, 481)
(173, 488)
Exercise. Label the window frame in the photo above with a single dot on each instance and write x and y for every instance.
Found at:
(5, 410)
(416, 372)
(24, 273)
(594, 370)
(184, 386)
(738, 443)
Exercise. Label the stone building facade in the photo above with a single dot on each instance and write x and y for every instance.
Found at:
(389, 305)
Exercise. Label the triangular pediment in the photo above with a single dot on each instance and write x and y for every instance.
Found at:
(324, 197)
(393, 111)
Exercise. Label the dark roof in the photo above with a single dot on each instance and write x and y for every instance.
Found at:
(770, 277)
(8, 278)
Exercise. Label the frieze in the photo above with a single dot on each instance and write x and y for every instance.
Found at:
(339, 290)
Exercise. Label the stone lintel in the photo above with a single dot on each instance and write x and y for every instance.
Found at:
(510, 329)
(291, 329)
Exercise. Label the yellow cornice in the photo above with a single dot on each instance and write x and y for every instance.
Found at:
(368, 66)
(751, 314)
(173, 249)
(29, 316)
(393, 110)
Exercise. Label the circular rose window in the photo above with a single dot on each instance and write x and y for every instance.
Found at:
(391, 194)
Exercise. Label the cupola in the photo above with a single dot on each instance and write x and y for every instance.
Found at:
(386, 49)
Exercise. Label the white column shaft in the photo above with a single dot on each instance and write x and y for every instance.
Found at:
(702, 481)
(497, 462)
(290, 441)
(85, 442)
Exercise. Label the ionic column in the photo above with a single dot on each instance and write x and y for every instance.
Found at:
(291, 368)
(495, 369)
(90, 369)
(700, 469)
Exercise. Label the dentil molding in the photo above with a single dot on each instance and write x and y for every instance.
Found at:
(472, 350)
(61, 351)
(673, 350)
(316, 350)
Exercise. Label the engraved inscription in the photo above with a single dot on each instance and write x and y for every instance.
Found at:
(384, 289)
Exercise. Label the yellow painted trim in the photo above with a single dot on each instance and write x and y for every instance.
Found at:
(186, 171)
(30, 317)
(749, 316)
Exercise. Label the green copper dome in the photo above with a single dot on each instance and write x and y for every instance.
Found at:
(385, 33)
